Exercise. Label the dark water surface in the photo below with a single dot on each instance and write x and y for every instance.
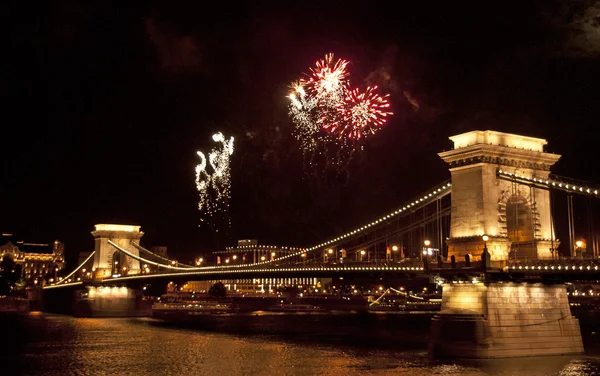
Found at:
(255, 344)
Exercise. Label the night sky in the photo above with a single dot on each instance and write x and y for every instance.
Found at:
(107, 104)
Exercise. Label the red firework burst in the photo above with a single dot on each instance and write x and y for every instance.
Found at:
(360, 114)
(327, 81)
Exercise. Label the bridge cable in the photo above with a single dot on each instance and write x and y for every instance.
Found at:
(76, 269)
(140, 248)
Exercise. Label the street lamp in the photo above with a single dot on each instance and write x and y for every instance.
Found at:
(326, 256)
(426, 251)
(485, 255)
(578, 245)
(394, 248)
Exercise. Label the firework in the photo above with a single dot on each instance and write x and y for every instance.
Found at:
(328, 81)
(330, 117)
(202, 181)
(302, 111)
(313, 102)
(360, 114)
(214, 188)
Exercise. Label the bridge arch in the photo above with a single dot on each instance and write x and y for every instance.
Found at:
(107, 260)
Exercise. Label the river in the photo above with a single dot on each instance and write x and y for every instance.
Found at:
(255, 344)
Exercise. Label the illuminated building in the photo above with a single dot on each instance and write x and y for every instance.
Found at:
(248, 251)
(260, 285)
(37, 260)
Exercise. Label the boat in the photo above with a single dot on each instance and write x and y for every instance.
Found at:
(291, 307)
(384, 307)
(426, 306)
(182, 309)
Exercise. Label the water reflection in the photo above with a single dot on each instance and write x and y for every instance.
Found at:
(61, 345)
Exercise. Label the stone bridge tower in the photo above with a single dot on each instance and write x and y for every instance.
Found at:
(516, 217)
(107, 259)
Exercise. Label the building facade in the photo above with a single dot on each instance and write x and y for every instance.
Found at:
(38, 261)
(248, 251)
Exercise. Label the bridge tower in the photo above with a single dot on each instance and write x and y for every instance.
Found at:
(107, 260)
(517, 218)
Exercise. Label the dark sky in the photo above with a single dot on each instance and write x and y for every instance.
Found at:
(107, 104)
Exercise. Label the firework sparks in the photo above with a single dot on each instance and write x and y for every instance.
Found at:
(328, 81)
(214, 188)
(330, 117)
(302, 110)
(202, 181)
(360, 114)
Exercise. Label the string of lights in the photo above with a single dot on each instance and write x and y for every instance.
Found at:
(415, 203)
(76, 269)
(54, 286)
(324, 269)
(547, 183)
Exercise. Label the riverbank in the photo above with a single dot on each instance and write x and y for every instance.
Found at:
(12, 304)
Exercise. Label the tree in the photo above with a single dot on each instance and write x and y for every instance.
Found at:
(217, 290)
(18, 272)
(7, 265)
(6, 275)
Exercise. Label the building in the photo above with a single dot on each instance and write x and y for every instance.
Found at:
(262, 286)
(37, 260)
(248, 251)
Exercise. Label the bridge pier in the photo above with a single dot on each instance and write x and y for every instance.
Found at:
(110, 301)
(498, 320)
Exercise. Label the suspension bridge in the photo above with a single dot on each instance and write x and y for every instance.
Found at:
(493, 224)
